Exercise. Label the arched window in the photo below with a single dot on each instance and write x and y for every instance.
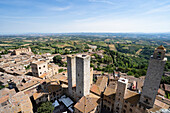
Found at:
(130, 110)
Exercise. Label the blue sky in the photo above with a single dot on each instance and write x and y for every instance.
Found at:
(63, 16)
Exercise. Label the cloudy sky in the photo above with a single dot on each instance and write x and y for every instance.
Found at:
(63, 16)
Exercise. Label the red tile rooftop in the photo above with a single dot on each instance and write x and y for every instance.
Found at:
(86, 104)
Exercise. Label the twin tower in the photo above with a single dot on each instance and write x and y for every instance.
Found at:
(78, 71)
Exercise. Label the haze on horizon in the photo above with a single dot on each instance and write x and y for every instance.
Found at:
(62, 16)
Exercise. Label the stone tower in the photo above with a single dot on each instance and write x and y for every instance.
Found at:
(120, 93)
(29, 49)
(82, 75)
(153, 77)
(71, 72)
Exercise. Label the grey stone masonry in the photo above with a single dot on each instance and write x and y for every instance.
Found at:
(120, 93)
(71, 72)
(153, 78)
(82, 75)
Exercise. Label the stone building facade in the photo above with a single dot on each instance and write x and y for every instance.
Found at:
(153, 77)
(21, 51)
(39, 68)
(82, 75)
(120, 94)
(71, 72)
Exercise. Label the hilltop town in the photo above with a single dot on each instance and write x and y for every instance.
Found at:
(85, 79)
(84, 56)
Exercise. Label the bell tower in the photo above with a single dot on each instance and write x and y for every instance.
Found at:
(159, 53)
(153, 77)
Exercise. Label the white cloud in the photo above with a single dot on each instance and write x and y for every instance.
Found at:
(102, 1)
(85, 20)
(165, 8)
(59, 8)
(118, 25)
(19, 17)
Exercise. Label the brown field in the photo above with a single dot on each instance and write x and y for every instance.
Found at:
(61, 46)
(27, 40)
(138, 52)
(107, 40)
(25, 44)
(5, 45)
(112, 47)
(7, 41)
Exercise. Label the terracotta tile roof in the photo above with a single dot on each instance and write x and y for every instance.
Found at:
(61, 78)
(158, 105)
(163, 99)
(102, 82)
(167, 87)
(161, 104)
(154, 108)
(4, 99)
(24, 101)
(129, 94)
(30, 92)
(18, 103)
(43, 75)
(161, 92)
(39, 62)
(110, 91)
(6, 91)
(38, 95)
(132, 97)
(86, 104)
(27, 85)
(53, 87)
(100, 85)
(95, 89)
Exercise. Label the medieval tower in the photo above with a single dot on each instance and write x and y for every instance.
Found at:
(153, 77)
(71, 72)
(120, 93)
(82, 75)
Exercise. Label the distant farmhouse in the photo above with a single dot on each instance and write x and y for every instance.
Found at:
(21, 51)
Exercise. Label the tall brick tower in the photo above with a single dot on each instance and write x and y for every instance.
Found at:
(71, 72)
(153, 77)
(82, 75)
(120, 93)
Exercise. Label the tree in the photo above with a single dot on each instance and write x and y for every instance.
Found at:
(130, 73)
(58, 60)
(56, 50)
(46, 107)
(27, 67)
(165, 80)
(60, 70)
